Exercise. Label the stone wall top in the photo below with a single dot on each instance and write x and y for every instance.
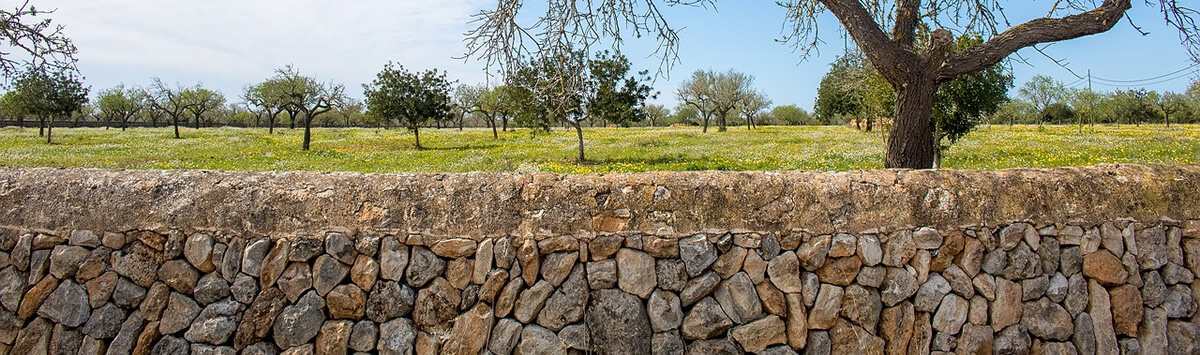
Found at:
(487, 204)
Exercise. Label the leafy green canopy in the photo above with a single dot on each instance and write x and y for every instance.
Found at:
(854, 88)
(412, 98)
(616, 96)
(49, 94)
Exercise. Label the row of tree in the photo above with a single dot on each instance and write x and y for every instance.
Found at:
(1045, 100)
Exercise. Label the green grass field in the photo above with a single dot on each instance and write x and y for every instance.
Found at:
(608, 149)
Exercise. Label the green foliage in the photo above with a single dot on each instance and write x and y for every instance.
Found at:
(853, 89)
(1133, 106)
(49, 94)
(961, 104)
(841, 90)
(121, 104)
(616, 96)
(792, 115)
(412, 98)
(1043, 91)
(10, 106)
(199, 100)
(1058, 113)
(657, 115)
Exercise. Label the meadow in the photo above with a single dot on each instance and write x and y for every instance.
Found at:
(820, 148)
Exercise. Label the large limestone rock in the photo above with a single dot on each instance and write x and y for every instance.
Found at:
(67, 305)
(299, 323)
(636, 274)
(396, 337)
(756, 336)
(1102, 266)
(1047, 320)
(467, 336)
(618, 323)
(697, 254)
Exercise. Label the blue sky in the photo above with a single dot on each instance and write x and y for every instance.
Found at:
(227, 44)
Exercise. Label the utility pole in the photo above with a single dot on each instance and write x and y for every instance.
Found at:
(1092, 102)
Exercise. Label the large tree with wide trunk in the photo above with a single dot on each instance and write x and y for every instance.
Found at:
(885, 31)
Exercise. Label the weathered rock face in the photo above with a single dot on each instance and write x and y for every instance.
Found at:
(545, 273)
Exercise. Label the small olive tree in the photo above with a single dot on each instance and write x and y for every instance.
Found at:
(413, 98)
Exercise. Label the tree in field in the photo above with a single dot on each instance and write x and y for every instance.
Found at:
(959, 106)
(413, 98)
(27, 30)
(555, 86)
(309, 97)
(730, 89)
(791, 115)
(1170, 103)
(483, 101)
(684, 114)
(840, 92)
(1043, 91)
(885, 32)
(492, 105)
(468, 99)
(264, 98)
(525, 99)
(508, 101)
(169, 101)
(964, 102)
(122, 104)
(1133, 106)
(616, 96)
(559, 90)
(50, 95)
(1086, 104)
(657, 114)
(10, 107)
(699, 93)
(752, 106)
(200, 100)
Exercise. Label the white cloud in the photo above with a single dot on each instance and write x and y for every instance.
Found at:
(227, 44)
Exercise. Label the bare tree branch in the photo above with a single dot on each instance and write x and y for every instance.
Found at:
(28, 38)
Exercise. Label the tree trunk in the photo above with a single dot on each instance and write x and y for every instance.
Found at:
(49, 130)
(504, 121)
(417, 136)
(705, 118)
(292, 118)
(41, 127)
(492, 124)
(579, 135)
(721, 122)
(910, 145)
(175, 122)
(307, 131)
(271, 124)
(197, 121)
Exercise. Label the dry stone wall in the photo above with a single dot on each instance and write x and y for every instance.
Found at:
(105, 262)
